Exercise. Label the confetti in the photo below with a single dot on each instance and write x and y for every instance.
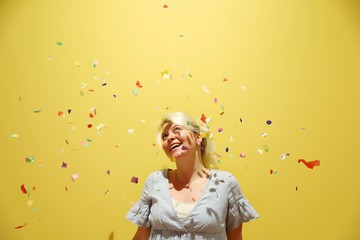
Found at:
(165, 75)
(273, 172)
(165, 6)
(135, 92)
(95, 63)
(242, 155)
(89, 125)
(69, 111)
(64, 165)
(268, 122)
(227, 149)
(310, 164)
(75, 176)
(23, 189)
(266, 148)
(215, 100)
(225, 80)
(21, 226)
(15, 136)
(131, 131)
(50, 58)
(108, 172)
(30, 159)
(220, 130)
(184, 148)
(138, 84)
(204, 88)
(134, 180)
(37, 110)
(264, 134)
(181, 35)
(61, 114)
(284, 155)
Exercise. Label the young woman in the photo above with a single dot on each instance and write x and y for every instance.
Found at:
(193, 201)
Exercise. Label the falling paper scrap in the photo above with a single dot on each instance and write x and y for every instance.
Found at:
(23, 189)
(21, 226)
(134, 180)
(310, 164)
(74, 176)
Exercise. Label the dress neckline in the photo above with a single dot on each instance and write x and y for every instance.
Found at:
(202, 196)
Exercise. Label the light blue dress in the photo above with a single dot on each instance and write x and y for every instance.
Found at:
(222, 206)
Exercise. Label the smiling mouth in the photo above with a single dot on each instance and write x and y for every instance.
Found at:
(175, 146)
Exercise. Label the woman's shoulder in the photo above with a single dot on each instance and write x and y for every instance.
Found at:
(157, 174)
(222, 175)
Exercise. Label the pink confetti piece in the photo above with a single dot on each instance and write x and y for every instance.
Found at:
(184, 148)
(220, 130)
(215, 100)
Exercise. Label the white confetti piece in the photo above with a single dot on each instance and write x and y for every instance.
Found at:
(131, 131)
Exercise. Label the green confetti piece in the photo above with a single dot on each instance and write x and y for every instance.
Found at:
(59, 43)
(266, 148)
(181, 35)
(190, 75)
(89, 140)
(37, 110)
(30, 159)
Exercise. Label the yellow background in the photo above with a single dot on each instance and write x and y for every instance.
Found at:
(295, 63)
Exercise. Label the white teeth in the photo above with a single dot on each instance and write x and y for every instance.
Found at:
(174, 146)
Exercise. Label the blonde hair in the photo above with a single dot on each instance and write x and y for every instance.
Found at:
(188, 122)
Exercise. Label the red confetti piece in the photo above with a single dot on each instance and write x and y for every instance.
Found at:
(134, 180)
(310, 164)
(91, 115)
(23, 189)
(89, 125)
(271, 171)
(138, 84)
(203, 118)
(21, 226)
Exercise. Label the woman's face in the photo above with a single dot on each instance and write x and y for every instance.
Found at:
(177, 140)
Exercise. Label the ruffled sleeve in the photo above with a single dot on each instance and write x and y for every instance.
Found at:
(239, 208)
(139, 212)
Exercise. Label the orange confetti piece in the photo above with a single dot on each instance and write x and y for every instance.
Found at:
(203, 118)
(89, 125)
(21, 226)
(61, 114)
(310, 164)
(138, 84)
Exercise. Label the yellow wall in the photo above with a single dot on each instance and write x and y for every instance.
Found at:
(295, 63)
